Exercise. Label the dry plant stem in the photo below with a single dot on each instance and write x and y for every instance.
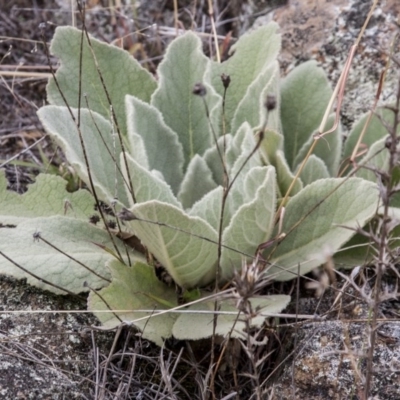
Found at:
(300, 221)
(23, 151)
(167, 375)
(249, 349)
(84, 30)
(128, 257)
(127, 215)
(176, 22)
(219, 252)
(339, 93)
(221, 356)
(296, 326)
(27, 148)
(355, 364)
(92, 187)
(39, 237)
(18, 74)
(8, 52)
(382, 260)
(382, 78)
(112, 156)
(117, 169)
(108, 361)
(214, 30)
(35, 42)
(40, 279)
(73, 21)
(225, 189)
(96, 292)
(224, 199)
(80, 72)
(112, 7)
(355, 152)
(306, 317)
(22, 67)
(221, 153)
(96, 363)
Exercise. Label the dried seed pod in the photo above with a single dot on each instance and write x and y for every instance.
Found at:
(270, 102)
(226, 80)
(199, 89)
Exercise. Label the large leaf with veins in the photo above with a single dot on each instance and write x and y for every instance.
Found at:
(120, 72)
(186, 246)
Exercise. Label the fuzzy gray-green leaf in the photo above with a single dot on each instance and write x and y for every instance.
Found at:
(314, 220)
(272, 142)
(83, 241)
(121, 74)
(242, 164)
(252, 108)
(251, 55)
(377, 158)
(374, 132)
(186, 246)
(46, 197)
(183, 67)
(314, 169)
(196, 183)
(147, 186)
(136, 288)
(101, 148)
(163, 149)
(213, 158)
(209, 208)
(328, 148)
(252, 224)
(305, 95)
(285, 176)
(199, 325)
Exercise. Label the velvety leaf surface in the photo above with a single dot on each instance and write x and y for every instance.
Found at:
(44, 198)
(377, 157)
(272, 142)
(200, 325)
(357, 251)
(163, 149)
(184, 245)
(132, 289)
(312, 220)
(251, 108)
(328, 148)
(375, 131)
(235, 148)
(305, 94)
(183, 67)
(121, 74)
(213, 159)
(209, 208)
(314, 169)
(196, 183)
(242, 164)
(285, 176)
(251, 55)
(147, 185)
(102, 148)
(253, 222)
(74, 237)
